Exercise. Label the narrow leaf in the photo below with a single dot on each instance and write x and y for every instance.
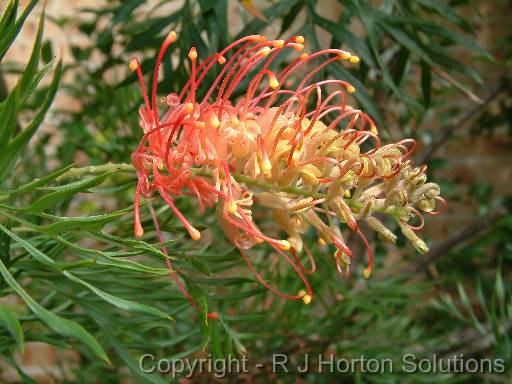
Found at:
(11, 323)
(9, 156)
(65, 192)
(60, 325)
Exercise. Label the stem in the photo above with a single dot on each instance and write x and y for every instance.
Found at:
(122, 167)
(296, 191)
(96, 169)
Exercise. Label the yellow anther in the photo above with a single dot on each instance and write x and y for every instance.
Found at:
(171, 37)
(258, 240)
(321, 241)
(373, 129)
(301, 293)
(284, 245)
(306, 299)
(349, 107)
(346, 194)
(192, 54)
(351, 89)
(201, 125)
(367, 273)
(188, 107)
(298, 47)
(354, 59)
(214, 121)
(309, 178)
(133, 64)
(265, 51)
(299, 39)
(266, 166)
(304, 56)
(232, 207)
(278, 43)
(194, 234)
(221, 60)
(273, 83)
(344, 55)
(234, 121)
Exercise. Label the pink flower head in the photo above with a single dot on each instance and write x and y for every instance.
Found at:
(270, 147)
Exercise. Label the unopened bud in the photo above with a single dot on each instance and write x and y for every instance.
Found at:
(381, 229)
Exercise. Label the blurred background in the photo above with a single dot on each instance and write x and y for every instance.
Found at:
(436, 71)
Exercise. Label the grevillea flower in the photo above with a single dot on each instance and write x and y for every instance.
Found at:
(290, 144)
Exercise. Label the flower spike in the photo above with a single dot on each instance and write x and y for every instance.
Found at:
(291, 144)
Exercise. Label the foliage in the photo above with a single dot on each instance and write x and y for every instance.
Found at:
(74, 277)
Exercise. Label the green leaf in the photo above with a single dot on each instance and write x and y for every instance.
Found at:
(38, 255)
(35, 80)
(8, 16)
(240, 295)
(239, 347)
(24, 84)
(200, 298)
(361, 94)
(291, 15)
(59, 324)
(124, 304)
(47, 52)
(499, 288)
(402, 65)
(200, 266)
(105, 322)
(127, 305)
(8, 113)
(63, 193)
(446, 11)
(106, 258)
(9, 32)
(9, 156)
(36, 183)
(469, 308)
(215, 339)
(11, 323)
(63, 224)
(343, 34)
(405, 40)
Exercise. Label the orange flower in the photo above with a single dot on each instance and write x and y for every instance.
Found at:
(269, 147)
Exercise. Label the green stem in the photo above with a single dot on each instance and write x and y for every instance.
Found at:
(96, 169)
(122, 167)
